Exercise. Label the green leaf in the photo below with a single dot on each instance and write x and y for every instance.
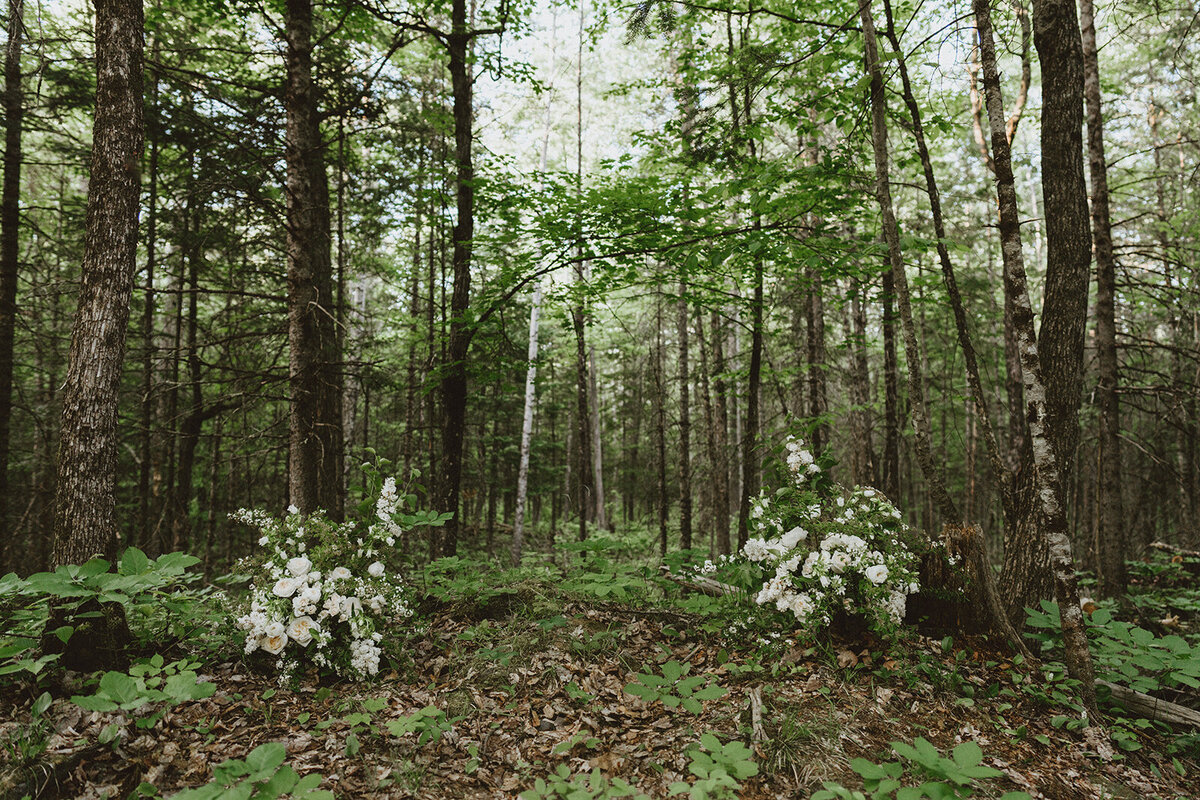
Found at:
(134, 562)
(968, 754)
(41, 704)
(266, 758)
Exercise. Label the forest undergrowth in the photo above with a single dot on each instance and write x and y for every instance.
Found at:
(590, 676)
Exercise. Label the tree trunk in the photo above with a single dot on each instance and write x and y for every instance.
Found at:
(721, 433)
(660, 422)
(84, 522)
(518, 538)
(1051, 514)
(314, 368)
(685, 425)
(818, 403)
(890, 469)
(1110, 528)
(454, 379)
(10, 218)
(891, 234)
(749, 443)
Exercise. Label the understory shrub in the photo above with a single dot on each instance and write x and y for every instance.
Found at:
(819, 551)
(322, 592)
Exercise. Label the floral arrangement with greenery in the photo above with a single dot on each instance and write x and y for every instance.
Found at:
(322, 593)
(820, 549)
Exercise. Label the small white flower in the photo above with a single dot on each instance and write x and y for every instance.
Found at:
(339, 574)
(263, 541)
(293, 510)
(375, 570)
(285, 587)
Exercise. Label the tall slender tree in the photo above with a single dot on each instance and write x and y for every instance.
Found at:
(10, 217)
(314, 365)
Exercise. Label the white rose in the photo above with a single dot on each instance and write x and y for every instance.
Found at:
(285, 587)
(793, 537)
(339, 574)
(274, 644)
(301, 630)
(375, 570)
(299, 566)
(877, 574)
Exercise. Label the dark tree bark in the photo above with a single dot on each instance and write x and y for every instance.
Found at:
(749, 443)
(1064, 307)
(660, 423)
(1051, 515)
(818, 402)
(454, 368)
(890, 468)
(10, 214)
(84, 524)
(1110, 530)
(891, 234)
(583, 429)
(721, 436)
(314, 368)
(685, 424)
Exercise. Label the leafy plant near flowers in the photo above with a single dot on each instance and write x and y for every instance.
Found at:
(818, 550)
(322, 594)
(950, 778)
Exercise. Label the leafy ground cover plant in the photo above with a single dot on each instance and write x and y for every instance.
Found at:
(322, 593)
(719, 769)
(151, 681)
(261, 776)
(944, 778)
(160, 605)
(674, 688)
(590, 786)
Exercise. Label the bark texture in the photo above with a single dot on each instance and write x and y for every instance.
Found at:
(1051, 515)
(518, 538)
(10, 214)
(891, 234)
(314, 367)
(1110, 532)
(84, 523)
(454, 367)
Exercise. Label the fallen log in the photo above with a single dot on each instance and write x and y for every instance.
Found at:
(1152, 708)
(699, 583)
(1174, 550)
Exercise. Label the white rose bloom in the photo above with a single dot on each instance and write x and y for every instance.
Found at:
(274, 644)
(299, 566)
(793, 537)
(876, 574)
(755, 549)
(339, 574)
(285, 587)
(301, 630)
(375, 570)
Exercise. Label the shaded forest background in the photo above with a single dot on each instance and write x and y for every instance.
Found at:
(674, 182)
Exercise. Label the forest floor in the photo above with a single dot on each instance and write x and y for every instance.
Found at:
(524, 697)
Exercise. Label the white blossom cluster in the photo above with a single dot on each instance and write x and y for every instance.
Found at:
(844, 555)
(321, 595)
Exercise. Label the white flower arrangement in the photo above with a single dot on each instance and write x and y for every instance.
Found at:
(322, 594)
(838, 551)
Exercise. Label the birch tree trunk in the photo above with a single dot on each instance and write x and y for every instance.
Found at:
(518, 539)
(1051, 515)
